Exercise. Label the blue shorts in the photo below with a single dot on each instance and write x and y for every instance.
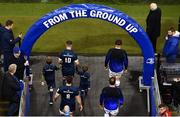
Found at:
(51, 83)
(84, 86)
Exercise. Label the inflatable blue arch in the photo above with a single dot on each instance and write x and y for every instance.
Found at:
(100, 12)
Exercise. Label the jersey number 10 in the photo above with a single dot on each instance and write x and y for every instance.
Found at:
(67, 60)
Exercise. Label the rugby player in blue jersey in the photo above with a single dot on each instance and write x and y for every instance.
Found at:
(69, 96)
(111, 98)
(49, 76)
(117, 61)
(68, 59)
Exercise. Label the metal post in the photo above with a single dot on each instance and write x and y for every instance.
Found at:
(143, 87)
(148, 100)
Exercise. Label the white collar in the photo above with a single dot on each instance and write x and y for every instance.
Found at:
(68, 84)
(112, 86)
(118, 47)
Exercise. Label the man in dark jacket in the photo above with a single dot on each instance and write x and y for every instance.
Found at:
(153, 23)
(8, 42)
(20, 61)
(11, 90)
(1, 27)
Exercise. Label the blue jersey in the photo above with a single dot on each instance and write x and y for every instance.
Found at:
(68, 94)
(84, 80)
(68, 58)
(111, 97)
(49, 72)
(116, 59)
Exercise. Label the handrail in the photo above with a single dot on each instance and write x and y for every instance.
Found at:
(153, 95)
(22, 106)
(156, 91)
(143, 87)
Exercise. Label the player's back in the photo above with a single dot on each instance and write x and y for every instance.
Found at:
(112, 96)
(68, 58)
(117, 59)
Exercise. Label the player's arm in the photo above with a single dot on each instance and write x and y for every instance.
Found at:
(107, 58)
(57, 95)
(78, 69)
(78, 99)
(101, 100)
(76, 62)
(60, 61)
(43, 76)
(56, 68)
(89, 82)
(121, 98)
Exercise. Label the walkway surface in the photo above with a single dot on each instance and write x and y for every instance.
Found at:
(135, 102)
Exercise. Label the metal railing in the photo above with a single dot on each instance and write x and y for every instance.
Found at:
(143, 87)
(23, 101)
(157, 95)
(153, 95)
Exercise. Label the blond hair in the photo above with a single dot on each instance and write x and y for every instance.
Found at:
(12, 68)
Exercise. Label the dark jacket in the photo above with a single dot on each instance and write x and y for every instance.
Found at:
(20, 65)
(1, 33)
(10, 88)
(153, 23)
(8, 41)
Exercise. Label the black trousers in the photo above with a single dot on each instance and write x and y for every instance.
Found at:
(153, 41)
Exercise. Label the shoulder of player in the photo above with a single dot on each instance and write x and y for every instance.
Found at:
(105, 88)
(87, 74)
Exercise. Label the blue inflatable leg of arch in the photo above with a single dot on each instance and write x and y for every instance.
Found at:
(100, 12)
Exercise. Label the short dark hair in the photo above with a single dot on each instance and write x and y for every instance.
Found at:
(162, 106)
(112, 80)
(9, 22)
(48, 60)
(69, 42)
(118, 42)
(69, 79)
(85, 68)
(172, 29)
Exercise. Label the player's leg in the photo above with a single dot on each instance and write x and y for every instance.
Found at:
(118, 77)
(82, 94)
(107, 112)
(51, 86)
(114, 112)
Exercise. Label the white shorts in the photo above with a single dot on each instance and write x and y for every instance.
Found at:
(115, 74)
(112, 112)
